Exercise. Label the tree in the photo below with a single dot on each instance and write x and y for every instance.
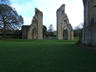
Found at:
(80, 26)
(50, 28)
(78, 30)
(9, 19)
(5, 2)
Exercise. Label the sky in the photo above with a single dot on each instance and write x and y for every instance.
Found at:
(26, 8)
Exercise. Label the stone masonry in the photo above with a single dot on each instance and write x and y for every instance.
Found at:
(64, 28)
(89, 30)
(35, 30)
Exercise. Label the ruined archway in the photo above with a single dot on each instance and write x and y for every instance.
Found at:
(35, 30)
(32, 33)
(65, 34)
(64, 28)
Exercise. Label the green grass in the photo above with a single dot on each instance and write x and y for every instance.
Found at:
(45, 56)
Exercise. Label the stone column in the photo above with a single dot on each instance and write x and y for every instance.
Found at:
(39, 16)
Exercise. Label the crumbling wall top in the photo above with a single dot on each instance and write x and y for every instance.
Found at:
(37, 11)
(62, 8)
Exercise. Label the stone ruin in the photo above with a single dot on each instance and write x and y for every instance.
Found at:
(64, 28)
(89, 31)
(35, 30)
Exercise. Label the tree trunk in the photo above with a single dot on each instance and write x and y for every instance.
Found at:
(4, 29)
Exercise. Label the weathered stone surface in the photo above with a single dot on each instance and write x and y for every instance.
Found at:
(24, 31)
(64, 28)
(89, 30)
(35, 30)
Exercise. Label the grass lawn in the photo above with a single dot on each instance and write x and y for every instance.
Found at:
(45, 56)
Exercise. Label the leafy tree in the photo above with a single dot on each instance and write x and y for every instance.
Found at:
(9, 19)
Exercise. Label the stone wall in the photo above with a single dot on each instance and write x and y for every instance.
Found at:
(63, 25)
(35, 30)
(39, 16)
(25, 31)
(89, 30)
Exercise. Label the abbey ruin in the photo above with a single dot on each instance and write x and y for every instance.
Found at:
(89, 30)
(64, 28)
(35, 30)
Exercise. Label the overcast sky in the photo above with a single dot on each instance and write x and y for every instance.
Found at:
(26, 8)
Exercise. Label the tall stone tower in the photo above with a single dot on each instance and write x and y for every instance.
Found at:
(64, 28)
(39, 18)
(35, 30)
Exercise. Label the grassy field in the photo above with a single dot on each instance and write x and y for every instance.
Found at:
(45, 56)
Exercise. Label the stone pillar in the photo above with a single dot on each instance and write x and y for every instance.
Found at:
(60, 16)
(63, 24)
(39, 16)
(36, 28)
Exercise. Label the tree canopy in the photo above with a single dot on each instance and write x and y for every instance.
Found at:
(50, 28)
(9, 19)
(4, 2)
